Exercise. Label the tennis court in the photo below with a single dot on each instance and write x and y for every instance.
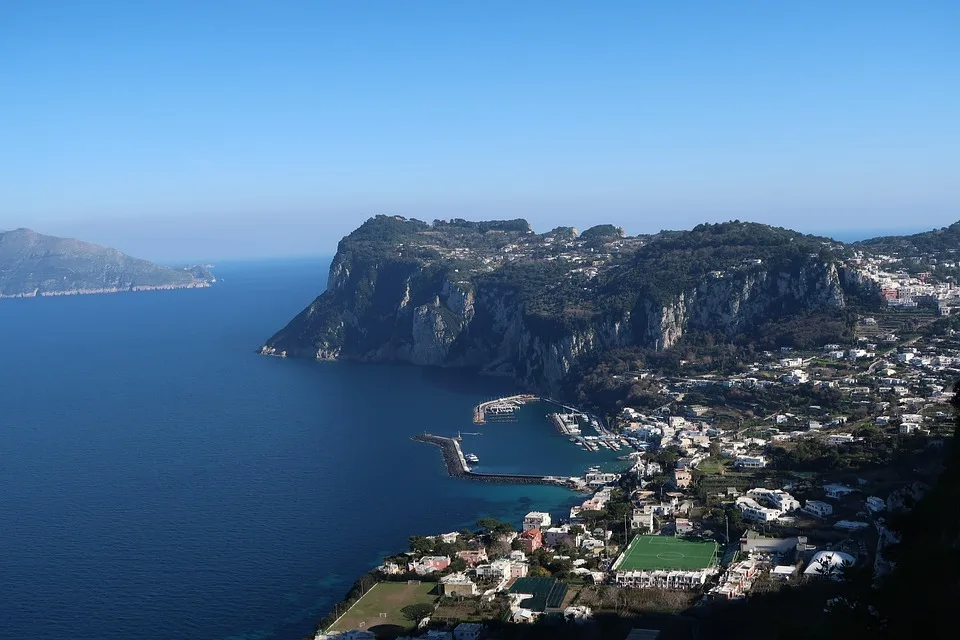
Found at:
(649, 552)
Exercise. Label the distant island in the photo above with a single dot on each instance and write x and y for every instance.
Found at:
(33, 264)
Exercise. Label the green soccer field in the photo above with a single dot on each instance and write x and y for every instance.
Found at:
(645, 553)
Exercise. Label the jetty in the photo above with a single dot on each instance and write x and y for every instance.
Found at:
(501, 407)
(457, 466)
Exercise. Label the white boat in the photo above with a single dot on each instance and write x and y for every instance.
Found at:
(472, 457)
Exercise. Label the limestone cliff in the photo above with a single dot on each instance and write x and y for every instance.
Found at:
(501, 298)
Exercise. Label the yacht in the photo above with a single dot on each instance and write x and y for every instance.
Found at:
(472, 457)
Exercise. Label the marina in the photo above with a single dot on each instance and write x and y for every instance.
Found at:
(456, 464)
(569, 421)
(501, 409)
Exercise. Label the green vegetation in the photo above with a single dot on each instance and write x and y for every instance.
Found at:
(938, 241)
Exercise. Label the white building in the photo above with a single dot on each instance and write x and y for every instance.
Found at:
(500, 569)
(663, 579)
(642, 518)
(776, 498)
(753, 511)
(818, 508)
(840, 438)
(750, 462)
(536, 520)
(597, 479)
(837, 491)
(797, 376)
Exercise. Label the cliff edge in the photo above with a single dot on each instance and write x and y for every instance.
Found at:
(499, 297)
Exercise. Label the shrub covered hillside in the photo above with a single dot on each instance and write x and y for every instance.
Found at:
(500, 297)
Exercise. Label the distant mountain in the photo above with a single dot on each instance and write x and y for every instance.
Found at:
(32, 264)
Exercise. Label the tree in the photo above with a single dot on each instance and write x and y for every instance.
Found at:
(457, 565)
(493, 526)
(420, 544)
(591, 517)
(537, 571)
(417, 612)
(714, 449)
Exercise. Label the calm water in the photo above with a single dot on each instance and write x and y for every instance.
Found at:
(158, 479)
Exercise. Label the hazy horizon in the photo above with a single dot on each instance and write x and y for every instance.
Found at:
(178, 252)
(180, 130)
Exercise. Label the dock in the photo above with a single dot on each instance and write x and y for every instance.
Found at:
(501, 407)
(457, 466)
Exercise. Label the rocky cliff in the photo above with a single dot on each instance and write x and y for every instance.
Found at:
(501, 298)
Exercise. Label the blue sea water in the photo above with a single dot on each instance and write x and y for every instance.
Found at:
(158, 479)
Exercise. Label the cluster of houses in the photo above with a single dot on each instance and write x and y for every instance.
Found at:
(907, 291)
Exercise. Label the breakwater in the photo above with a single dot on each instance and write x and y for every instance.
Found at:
(458, 468)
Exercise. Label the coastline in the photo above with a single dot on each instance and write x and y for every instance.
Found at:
(36, 293)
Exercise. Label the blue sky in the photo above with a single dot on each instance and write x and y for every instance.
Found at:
(222, 129)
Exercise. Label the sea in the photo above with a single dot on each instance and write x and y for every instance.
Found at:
(159, 479)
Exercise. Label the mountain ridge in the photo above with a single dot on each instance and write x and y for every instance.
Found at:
(36, 265)
(497, 296)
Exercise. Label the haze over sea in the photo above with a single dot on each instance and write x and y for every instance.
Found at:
(158, 479)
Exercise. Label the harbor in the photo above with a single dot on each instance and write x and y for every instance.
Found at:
(501, 409)
(571, 423)
(456, 464)
(581, 428)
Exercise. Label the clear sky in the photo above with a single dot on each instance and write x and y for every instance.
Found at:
(226, 128)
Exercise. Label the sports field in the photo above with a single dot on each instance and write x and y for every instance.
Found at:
(665, 552)
(381, 606)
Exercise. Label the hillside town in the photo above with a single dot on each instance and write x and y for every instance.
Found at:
(779, 475)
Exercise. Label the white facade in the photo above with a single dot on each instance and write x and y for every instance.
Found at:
(754, 512)
(663, 579)
(776, 498)
(536, 520)
(642, 518)
(500, 569)
(818, 508)
(750, 462)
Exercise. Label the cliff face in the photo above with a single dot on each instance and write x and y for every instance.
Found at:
(386, 307)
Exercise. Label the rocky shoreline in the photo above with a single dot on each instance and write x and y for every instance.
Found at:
(36, 293)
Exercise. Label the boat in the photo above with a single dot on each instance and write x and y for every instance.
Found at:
(472, 457)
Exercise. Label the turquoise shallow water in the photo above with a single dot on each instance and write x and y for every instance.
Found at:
(158, 479)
